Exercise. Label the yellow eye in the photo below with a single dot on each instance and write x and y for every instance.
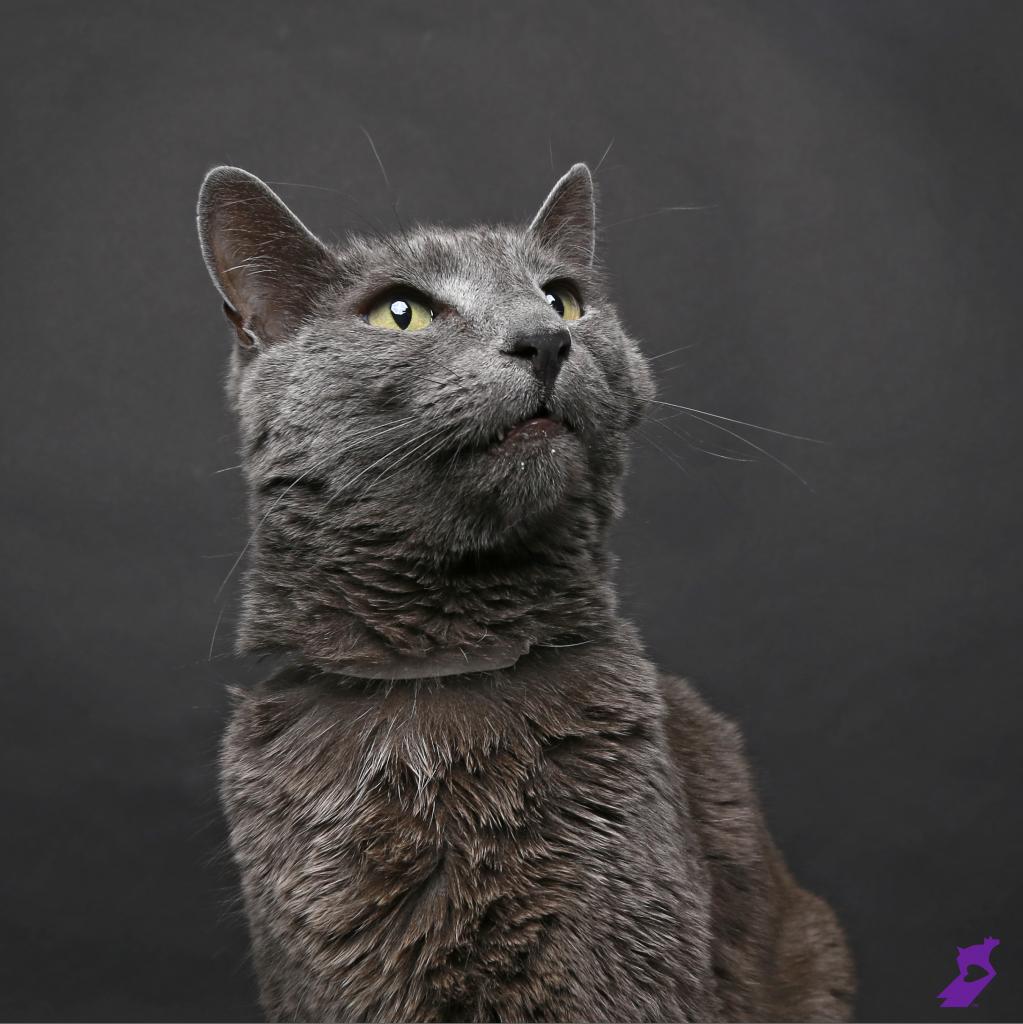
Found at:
(563, 301)
(401, 311)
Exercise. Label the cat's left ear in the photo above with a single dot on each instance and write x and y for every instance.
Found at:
(568, 218)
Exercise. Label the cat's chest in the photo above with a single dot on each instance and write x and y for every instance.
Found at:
(421, 857)
(454, 846)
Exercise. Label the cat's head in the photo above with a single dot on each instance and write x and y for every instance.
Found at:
(430, 396)
(462, 386)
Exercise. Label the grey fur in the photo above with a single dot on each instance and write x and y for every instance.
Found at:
(470, 796)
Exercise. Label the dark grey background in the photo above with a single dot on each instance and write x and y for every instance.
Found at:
(854, 275)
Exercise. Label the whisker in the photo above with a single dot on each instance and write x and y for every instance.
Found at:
(756, 447)
(213, 639)
(690, 441)
(363, 472)
(581, 643)
(677, 366)
(372, 145)
(658, 212)
(604, 157)
(430, 436)
(300, 184)
(720, 455)
(671, 352)
(372, 224)
(664, 451)
(740, 423)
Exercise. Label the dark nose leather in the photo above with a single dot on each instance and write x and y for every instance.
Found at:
(545, 351)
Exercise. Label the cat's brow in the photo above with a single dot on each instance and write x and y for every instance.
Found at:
(458, 289)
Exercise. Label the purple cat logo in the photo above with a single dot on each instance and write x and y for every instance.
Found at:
(975, 974)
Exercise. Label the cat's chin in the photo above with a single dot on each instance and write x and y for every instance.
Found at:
(538, 452)
(532, 473)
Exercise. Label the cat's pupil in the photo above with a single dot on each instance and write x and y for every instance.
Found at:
(556, 304)
(402, 313)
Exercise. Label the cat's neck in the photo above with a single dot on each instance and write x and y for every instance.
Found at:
(385, 610)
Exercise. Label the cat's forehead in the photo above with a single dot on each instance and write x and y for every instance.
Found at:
(455, 263)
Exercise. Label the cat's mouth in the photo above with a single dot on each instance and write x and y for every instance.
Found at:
(539, 428)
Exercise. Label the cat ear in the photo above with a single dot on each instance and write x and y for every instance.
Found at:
(568, 218)
(268, 267)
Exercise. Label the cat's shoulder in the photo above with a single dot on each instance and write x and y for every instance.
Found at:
(708, 755)
(707, 738)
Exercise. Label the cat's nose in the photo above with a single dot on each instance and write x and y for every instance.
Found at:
(545, 351)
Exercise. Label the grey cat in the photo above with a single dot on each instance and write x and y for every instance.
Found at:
(470, 796)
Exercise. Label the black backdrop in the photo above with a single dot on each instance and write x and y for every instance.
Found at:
(851, 272)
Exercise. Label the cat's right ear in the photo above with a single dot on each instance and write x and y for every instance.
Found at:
(268, 267)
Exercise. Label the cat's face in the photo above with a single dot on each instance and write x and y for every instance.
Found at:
(457, 388)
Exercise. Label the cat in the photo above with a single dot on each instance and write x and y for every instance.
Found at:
(468, 795)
